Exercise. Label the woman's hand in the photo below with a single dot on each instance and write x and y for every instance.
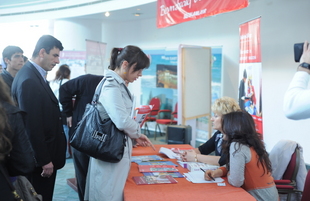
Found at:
(188, 156)
(209, 174)
(144, 141)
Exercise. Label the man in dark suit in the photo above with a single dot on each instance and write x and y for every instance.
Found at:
(83, 89)
(43, 119)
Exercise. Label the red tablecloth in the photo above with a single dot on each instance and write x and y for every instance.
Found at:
(149, 151)
(183, 190)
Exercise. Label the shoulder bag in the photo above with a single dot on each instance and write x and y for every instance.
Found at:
(99, 139)
(25, 189)
(22, 189)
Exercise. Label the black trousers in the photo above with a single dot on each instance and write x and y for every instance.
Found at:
(80, 161)
(43, 185)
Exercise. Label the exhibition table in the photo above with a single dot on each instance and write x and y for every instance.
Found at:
(183, 190)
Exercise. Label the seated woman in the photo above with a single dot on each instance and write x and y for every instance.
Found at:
(220, 107)
(248, 164)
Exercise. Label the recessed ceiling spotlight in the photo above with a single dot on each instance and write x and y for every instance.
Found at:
(137, 14)
(107, 14)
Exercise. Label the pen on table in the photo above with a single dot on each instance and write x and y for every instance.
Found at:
(208, 174)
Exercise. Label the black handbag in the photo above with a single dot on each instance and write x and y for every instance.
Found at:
(98, 139)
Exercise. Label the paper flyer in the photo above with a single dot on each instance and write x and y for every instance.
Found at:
(141, 113)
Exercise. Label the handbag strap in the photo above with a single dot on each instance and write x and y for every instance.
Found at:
(127, 91)
(98, 91)
(15, 194)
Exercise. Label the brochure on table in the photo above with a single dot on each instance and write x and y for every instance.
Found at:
(196, 166)
(173, 174)
(157, 163)
(157, 168)
(162, 179)
(169, 153)
(146, 158)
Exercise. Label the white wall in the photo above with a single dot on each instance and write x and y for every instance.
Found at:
(283, 23)
(73, 32)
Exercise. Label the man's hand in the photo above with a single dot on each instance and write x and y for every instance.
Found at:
(69, 121)
(305, 57)
(48, 170)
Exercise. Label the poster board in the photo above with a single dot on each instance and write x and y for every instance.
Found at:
(95, 55)
(195, 85)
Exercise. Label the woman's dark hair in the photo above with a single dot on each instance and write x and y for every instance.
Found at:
(5, 143)
(240, 127)
(63, 72)
(131, 54)
(5, 92)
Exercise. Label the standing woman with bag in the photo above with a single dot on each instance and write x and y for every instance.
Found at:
(105, 180)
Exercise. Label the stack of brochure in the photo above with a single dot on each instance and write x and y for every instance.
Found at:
(146, 158)
(161, 163)
(196, 166)
(157, 172)
(169, 153)
(157, 168)
(162, 179)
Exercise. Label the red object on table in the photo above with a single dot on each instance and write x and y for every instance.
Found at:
(183, 190)
(149, 151)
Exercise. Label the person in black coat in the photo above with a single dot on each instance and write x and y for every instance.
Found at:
(16, 153)
(83, 89)
(242, 90)
(5, 147)
(43, 119)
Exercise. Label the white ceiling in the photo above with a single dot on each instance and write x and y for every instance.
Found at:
(120, 10)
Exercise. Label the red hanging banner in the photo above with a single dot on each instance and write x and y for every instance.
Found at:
(171, 12)
(250, 42)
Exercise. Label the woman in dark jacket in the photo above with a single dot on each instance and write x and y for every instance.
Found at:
(5, 148)
(20, 160)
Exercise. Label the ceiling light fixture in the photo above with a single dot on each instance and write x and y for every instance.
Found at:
(137, 14)
(107, 14)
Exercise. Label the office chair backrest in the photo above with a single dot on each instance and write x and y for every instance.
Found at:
(306, 192)
(156, 106)
(293, 166)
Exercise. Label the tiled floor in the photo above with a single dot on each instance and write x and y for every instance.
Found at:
(63, 192)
